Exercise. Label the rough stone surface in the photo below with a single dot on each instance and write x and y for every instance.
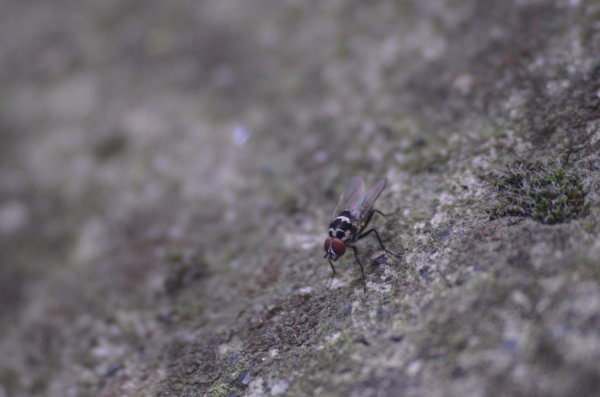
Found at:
(168, 172)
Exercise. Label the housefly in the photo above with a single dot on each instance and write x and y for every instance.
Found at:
(350, 219)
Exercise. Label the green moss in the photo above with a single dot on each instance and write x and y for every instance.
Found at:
(218, 390)
(543, 191)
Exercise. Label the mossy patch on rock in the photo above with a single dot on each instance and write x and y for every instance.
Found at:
(544, 191)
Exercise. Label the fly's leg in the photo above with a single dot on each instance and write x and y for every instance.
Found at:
(378, 239)
(332, 274)
(362, 270)
(381, 213)
(373, 212)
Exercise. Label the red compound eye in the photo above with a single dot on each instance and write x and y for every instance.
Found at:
(338, 247)
(327, 244)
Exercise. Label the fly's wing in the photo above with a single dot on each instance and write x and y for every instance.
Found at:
(350, 196)
(365, 203)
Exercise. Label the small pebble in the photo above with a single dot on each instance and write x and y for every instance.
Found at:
(244, 379)
(380, 260)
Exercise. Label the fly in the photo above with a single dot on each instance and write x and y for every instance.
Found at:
(350, 219)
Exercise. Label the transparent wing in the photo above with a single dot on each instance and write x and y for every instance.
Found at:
(350, 196)
(365, 203)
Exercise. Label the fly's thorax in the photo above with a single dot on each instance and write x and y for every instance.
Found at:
(342, 227)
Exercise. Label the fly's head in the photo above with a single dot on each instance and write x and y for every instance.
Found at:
(334, 248)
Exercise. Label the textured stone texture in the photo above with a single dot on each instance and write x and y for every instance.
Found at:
(168, 172)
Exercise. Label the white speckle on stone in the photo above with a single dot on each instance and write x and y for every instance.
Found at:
(333, 337)
(105, 349)
(240, 135)
(305, 290)
(438, 219)
(280, 387)
(463, 83)
(235, 345)
(380, 287)
(302, 240)
(446, 198)
(414, 367)
(336, 284)
(273, 352)
(419, 225)
(256, 388)
(520, 299)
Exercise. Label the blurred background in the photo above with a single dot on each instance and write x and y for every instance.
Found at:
(168, 172)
